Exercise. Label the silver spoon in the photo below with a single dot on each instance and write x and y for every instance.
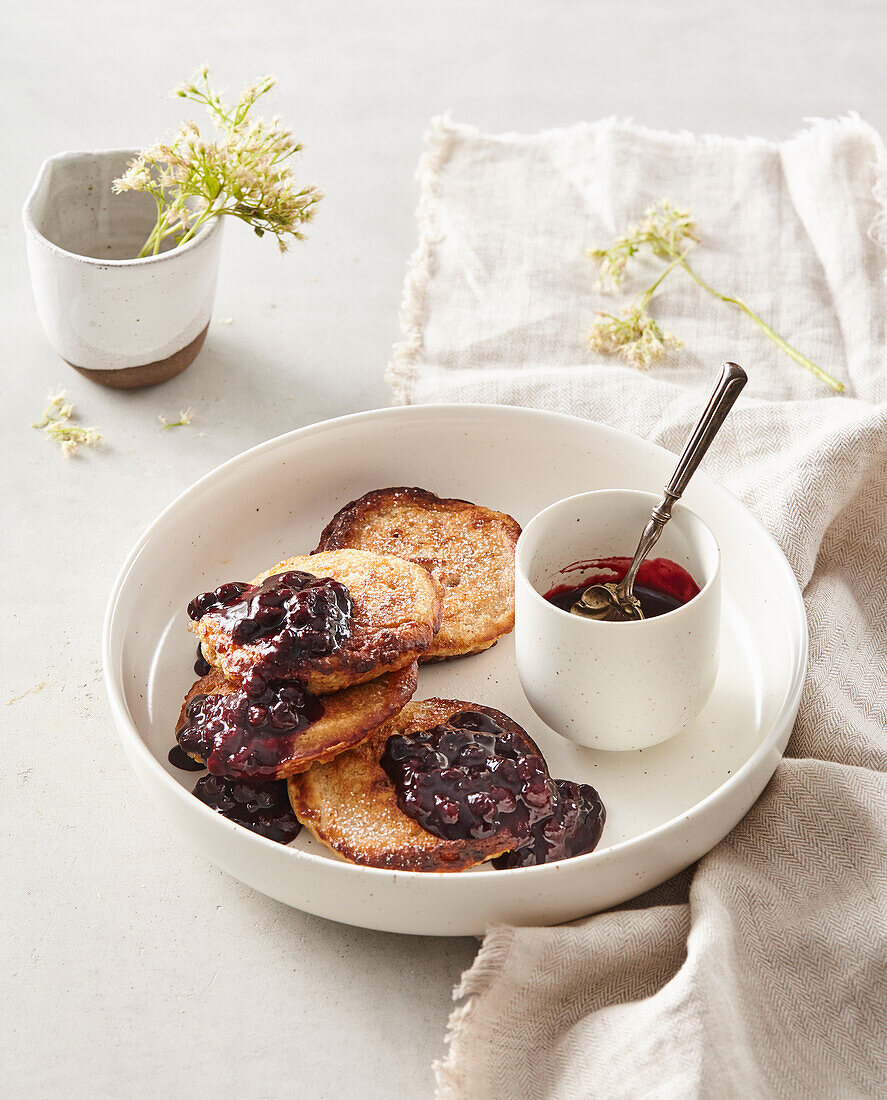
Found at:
(617, 602)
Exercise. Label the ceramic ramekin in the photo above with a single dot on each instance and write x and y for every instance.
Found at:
(121, 321)
(615, 685)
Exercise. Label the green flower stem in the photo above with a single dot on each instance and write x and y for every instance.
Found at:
(647, 295)
(669, 233)
(765, 328)
(208, 213)
(152, 244)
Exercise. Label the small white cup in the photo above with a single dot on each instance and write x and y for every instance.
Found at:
(121, 321)
(615, 685)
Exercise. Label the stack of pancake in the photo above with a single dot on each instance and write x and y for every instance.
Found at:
(427, 579)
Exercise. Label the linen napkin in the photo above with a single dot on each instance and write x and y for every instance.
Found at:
(763, 970)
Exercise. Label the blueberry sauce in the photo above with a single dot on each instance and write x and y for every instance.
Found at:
(263, 807)
(661, 585)
(250, 732)
(573, 829)
(180, 759)
(201, 666)
(468, 779)
(219, 597)
(287, 618)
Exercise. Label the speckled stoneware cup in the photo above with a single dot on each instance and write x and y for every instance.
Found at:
(120, 321)
(615, 685)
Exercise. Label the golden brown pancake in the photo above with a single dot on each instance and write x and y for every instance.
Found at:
(349, 716)
(469, 549)
(350, 803)
(396, 612)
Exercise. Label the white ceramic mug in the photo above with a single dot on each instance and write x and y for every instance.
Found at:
(614, 685)
(121, 321)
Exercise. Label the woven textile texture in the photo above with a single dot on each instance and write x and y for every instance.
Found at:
(763, 970)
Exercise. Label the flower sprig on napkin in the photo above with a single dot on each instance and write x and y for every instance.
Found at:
(669, 233)
(240, 174)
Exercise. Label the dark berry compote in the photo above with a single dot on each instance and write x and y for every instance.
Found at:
(469, 779)
(263, 807)
(573, 829)
(661, 586)
(181, 760)
(202, 666)
(248, 733)
(287, 618)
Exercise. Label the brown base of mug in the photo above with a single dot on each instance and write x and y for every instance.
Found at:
(148, 374)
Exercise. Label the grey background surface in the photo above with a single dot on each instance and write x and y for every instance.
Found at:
(129, 965)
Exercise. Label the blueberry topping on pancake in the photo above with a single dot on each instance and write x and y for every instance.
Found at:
(287, 617)
(262, 730)
(469, 778)
(458, 759)
(329, 621)
(250, 731)
(222, 596)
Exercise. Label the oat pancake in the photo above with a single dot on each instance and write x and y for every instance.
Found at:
(395, 612)
(275, 749)
(468, 548)
(351, 804)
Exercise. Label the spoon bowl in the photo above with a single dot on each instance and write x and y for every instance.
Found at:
(603, 602)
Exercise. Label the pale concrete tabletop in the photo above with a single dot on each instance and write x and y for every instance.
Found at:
(130, 966)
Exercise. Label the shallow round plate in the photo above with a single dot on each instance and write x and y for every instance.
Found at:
(666, 805)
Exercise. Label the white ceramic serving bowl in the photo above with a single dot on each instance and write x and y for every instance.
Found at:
(666, 805)
(121, 321)
(615, 685)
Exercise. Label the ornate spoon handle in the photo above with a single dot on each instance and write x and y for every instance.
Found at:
(728, 387)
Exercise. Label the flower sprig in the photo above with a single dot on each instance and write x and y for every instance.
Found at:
(669, 233)
(666, 230)
(241, 174)
(634, 334)
(56, 424)
(185, 418)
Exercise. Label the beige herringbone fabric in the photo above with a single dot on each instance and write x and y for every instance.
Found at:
(763, 972)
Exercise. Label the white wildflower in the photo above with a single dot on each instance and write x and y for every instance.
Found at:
(634, 335)
(185, 418)
(56, 425)
(241, 174)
